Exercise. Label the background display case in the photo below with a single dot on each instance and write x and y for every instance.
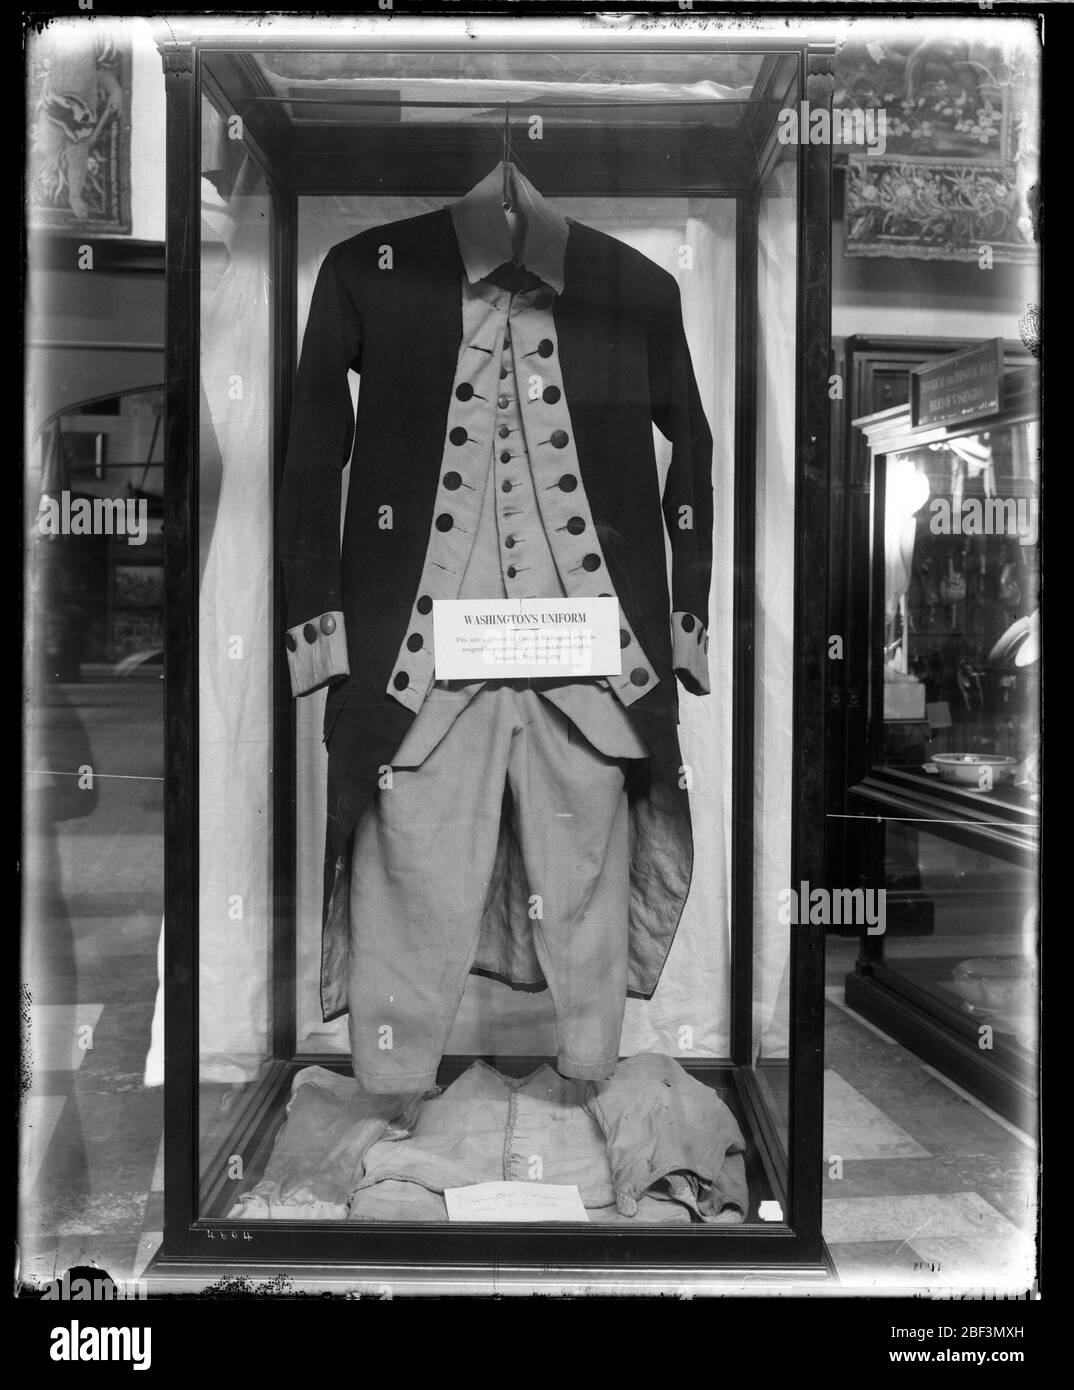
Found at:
(877, 371)
(283, 140)
(952, 795)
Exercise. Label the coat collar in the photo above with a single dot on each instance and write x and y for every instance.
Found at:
(483, 237)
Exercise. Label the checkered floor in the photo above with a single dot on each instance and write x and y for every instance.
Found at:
(925, 1187)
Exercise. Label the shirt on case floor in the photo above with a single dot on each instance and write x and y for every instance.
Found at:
(653, 1144)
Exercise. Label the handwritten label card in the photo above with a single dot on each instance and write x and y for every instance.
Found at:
(514, 1201)
(522, 639)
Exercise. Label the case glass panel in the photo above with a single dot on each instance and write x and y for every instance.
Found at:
(93, 800)
(313, 1110)
(963, 941)
(773, 617)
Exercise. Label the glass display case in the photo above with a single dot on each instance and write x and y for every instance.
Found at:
(463, 320)
(951, 803)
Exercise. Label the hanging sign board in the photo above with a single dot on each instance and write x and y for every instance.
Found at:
(966, 386)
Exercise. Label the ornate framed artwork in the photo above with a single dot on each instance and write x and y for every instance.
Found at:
(956, 169)
(79, 121)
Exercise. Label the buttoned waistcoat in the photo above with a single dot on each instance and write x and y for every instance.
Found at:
(603, 357)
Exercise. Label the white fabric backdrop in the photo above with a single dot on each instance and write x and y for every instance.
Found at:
(236, 638)
(689, 1015)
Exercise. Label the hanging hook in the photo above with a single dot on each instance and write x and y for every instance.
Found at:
(506, 154)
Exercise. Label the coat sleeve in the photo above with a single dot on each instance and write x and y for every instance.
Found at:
(318, 449)
(688, 499)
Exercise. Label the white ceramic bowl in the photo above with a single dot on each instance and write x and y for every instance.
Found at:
(968, 769)
(995, 983)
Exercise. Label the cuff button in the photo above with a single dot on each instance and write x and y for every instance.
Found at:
(687, 622)
(290, 643)
(309, 632)
(328, 625)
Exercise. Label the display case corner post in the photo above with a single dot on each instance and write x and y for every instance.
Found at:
(285, 794)
(182, 243)
(810, 657)
(743, 626)
(177, 59)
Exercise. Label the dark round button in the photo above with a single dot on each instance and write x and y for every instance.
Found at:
(328, 625)
(510, 542)
(506, 486)
(687, 622)
(504, 431)
(546, 347)
(511, 571)
(591, 563)
(576, 526)
(309, 632)
(543, 300)
(604, 596)
(507, 340)
(568, 482)
(560, 439)
(464, 391)
(624, 637)
(503, 402)
(551, 394)
(424, 604)
(290, 641)
(700, 634)
(413, 642)
(458, 435)
(639, 676)
(444, 522)
(452, 481)
(505, 457)
(503, 373)
(400, 680)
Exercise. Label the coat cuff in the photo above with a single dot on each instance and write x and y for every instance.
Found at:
(317, 652)
(690, 652)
